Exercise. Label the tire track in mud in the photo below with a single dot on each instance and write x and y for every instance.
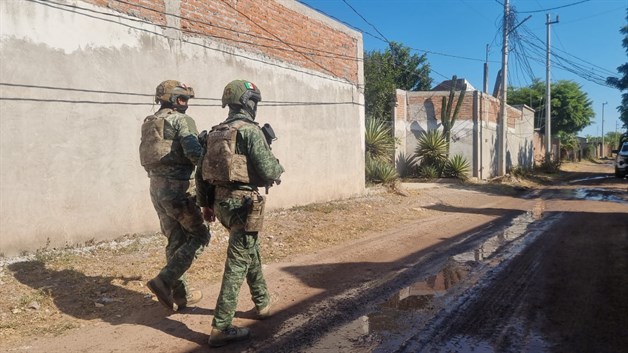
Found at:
(300, 333)
(486, 317)
(533, 303)
(480, 317)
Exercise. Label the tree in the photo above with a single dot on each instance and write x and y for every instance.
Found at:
(394, 68)
(621, 83)
(613, 138)
(571, 107)
(533, 96)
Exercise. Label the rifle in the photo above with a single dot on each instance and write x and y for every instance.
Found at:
(270, 136)
(202, 138)
(269, 133)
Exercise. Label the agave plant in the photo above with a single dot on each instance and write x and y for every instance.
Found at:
(406, 165)
(457, 167)
(379, 171)
(380, 143)
(427, 172)
(432, 149)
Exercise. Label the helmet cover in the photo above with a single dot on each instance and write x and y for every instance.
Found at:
(240, 92)
(169, 90)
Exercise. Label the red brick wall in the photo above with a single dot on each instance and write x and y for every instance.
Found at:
(260, 26)
(435, 99)
(490, 107)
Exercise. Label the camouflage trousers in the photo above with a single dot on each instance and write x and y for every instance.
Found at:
(243, 258)
(182, 224)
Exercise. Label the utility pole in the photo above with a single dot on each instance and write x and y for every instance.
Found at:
(486, 72)
(548, 95)
(603, 150)
(501, 165)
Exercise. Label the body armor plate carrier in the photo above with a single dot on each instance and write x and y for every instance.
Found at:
(221, 164)
(153, 147)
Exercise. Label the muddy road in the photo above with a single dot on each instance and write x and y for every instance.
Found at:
(549, 275)
(545, 270)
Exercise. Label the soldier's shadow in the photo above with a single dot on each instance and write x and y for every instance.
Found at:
(97, 297)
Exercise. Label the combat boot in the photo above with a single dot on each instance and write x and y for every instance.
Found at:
(218, 338)
(192, 297)
(162, 292)
(265, 312)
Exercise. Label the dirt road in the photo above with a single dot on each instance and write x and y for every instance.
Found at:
(541, 271)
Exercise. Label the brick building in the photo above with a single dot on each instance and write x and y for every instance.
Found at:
(78, 78)
(474, 135)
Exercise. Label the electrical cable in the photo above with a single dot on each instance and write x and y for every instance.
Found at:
(85, 90)
(555, 8)
(238, 32)
(282, 41)
(73, 9)
(365, 20)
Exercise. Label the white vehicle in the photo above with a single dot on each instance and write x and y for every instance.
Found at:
(621, 160)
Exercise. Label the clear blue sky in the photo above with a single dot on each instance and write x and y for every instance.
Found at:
(587, 34)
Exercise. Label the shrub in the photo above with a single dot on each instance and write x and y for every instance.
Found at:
(427, 172)
(550, 166)
(406, 165)
(432, 149)
(520, 172)
(378, 171)
(380, 143)
(457, 167)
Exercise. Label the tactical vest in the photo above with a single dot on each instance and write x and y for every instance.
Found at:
(154, 148)
(221, 164)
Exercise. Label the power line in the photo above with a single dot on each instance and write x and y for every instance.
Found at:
(365, 20)
(87, 90)
(555, 8)
(385, 40)
(73, 8)
(209, 24)
(341, 21)
(282, 41)
(537, 52)
(78, 101)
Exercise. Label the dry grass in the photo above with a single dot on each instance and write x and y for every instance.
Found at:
(53, 291)
(57, 290)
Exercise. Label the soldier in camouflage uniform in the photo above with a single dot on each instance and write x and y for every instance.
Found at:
(169, 151)
(229, 189)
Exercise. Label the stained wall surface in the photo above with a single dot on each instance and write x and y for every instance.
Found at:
(77, 78)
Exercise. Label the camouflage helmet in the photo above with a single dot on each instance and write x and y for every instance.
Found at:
(169, 90)
(240, 92)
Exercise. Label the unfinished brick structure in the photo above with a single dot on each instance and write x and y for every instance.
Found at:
(474, 134)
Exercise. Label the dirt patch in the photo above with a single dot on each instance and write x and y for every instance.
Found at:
(52, 291)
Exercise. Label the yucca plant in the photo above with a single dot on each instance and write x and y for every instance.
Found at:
(457, 167)
(432, 149)
(380, 143)
(380, 148)
(406, 165)
(427, 172)
(378, 171)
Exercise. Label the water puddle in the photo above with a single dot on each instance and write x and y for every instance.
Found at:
(590, 178)
(597, 194)
(411, 307)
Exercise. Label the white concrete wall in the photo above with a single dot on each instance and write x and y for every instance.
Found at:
(69, 164)
(520, 143)
(474, 134)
